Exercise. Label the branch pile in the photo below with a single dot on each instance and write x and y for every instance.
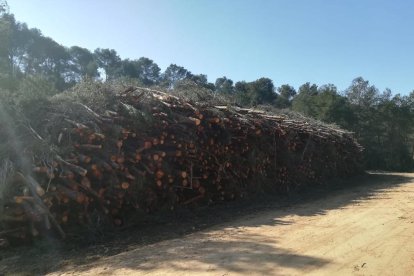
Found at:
(147, 150)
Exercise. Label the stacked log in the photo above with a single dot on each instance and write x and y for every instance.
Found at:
(153, 150)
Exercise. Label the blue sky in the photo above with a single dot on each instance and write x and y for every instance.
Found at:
(289, 41)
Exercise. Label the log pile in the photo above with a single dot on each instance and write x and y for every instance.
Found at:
(150, 150)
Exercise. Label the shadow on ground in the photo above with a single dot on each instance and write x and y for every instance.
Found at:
(250, 255)
(234, 255)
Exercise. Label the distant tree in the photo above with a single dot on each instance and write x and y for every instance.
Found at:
(143, 69)
(22, 40)
(224, 85)
(308, 89)
(388, 139)
(361, 93)
(304, 102)
(48, 58)
(331, 107)
(5, 43)
(286, 94)
(364, 99)
(386, 95)
(242, 93)
(25, 51)
(173, 74)
(149, 71)
(261, 91)
(14, 41)
(201, 80)
(4, 7)
(286, 91)
(109, 61)
(82, 64)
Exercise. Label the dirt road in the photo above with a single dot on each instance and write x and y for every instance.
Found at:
(365, 230)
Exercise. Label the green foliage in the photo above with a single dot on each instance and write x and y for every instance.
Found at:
(173, 74)
(5, 41)
(332, 107)
(195, 92)
(304, 102)
(21, 111)
(143, 69)
(386, 130)
(324, 103)
(261, 91)
(384, 125)
(109, 61)
(224, 85)
(201, 80)
(286, 94)
(360, 93)
(88, 92)
(31, 92)
(27, 52)
(82, 64)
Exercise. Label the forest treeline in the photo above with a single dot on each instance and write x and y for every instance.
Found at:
(34, 67)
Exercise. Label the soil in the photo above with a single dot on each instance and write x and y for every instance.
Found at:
(362, 226)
